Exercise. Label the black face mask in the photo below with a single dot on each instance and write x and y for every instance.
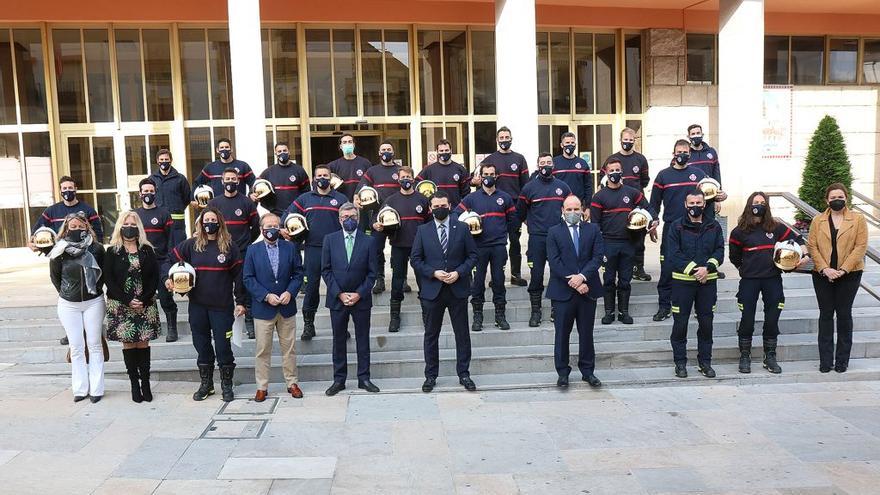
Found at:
(148, 198)
(695, 211)
(211, 228)
(230, 186)
(283, 157)
(546, 172)
(615, 177)
(165, 166)
(271, 234)
(696, 141)
(225, 154)
(569, 149)
(626, 146)
(682, 158)
(489, 181)
(129, 232)
(68, 195)
(504, 145)
(837, 204)
(75, 235)
(387, 156)
(759, 210)
(441, 212)
(322, 182)
(406, 184)
(445, 157)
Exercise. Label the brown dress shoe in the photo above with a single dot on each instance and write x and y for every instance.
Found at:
(261, 396)
(295, 392)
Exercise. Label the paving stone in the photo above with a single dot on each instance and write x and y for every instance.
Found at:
(128, 486)
(476, 451)
(268, 468)
(235, 429)
(485, 484)
(153, 459)
(569, 483)
(423, 438)
(214, 487)
(203, 459)
(365, 408)
(7, 455)
(865, 418)
(301, 487)
(668, 480)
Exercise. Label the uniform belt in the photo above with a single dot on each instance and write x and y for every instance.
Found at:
(178, 216)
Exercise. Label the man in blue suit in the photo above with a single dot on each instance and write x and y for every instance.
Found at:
(273, 274)
(574, 253)
(443, 255)
(348, 267)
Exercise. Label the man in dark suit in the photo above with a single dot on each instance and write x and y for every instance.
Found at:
(574, 253)
(348, 267)
(443, 255)
(273, 274)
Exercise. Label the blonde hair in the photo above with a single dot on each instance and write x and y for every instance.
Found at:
(116, 241)
(81, 217)
(224, 240)
(628, 130)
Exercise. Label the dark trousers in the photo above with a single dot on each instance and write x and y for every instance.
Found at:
(515, 249)
(247, 294)
(581, 310)
(399, 267)
(178, 232)
(618, 264)
(664, 285)
(366, 225)
(206, 324)
(639, 245)
(339, 322)
(312, 279)
(434, 310)
(494, 258)
(702, 298)
(166, 298)
(836, 298)
(537, 256)
(774, 301)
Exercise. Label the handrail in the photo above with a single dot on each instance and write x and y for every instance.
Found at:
(866, 199)
(871, 219)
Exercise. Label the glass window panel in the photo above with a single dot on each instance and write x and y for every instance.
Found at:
(285, 73)
(31, 78)
(606, 141)
(636, 125)
(430, 75)
(79, 156)
(842, 60)
(806, 59)
(38, 168)
(586, 141)
(11, 187)
(701, 58)
(371, 72)
(456, 133)
(483, 64)
(319, 72)
(157, 142)
(396, 52)
(583, 73)
(97, 49)
(199, 149)
(157, 68)
(291, 136)
(871, 62)
(193, 70)
(544, 137)
(7, 86)
(344, 72)
(455, 72)
(606, 79)
(543, 64)
(136, 155)
(633, 55)
(267, 74)
(14, 231)
(129, 75)
(556, 133)
(105, 170)
(484, 138)
(109, 212)
(776, 60)
(69, 75)
(559, 72)
(221, 75)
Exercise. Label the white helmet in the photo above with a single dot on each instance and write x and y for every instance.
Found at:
(368, 197)
(639, 218)
(473, 221)
(44, 239)
(183, 277)
(710, 188)
(787, 255)
(297, 226)
(203, 194)
(389, 218)
(263, 188)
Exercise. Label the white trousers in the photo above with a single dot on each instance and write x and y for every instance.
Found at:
(87, 378)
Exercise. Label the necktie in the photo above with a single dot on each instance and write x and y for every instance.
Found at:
(576, 237)
(443, 240)
(349, 244)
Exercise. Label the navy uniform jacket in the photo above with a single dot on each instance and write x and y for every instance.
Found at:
(157, 225)
(341, 275)
(382, 178)
(53, 217)
(172, 192)
(452, 178)
(563, 261)
(671, 187)
(218, 275)
(635, 169)
(610, 209)
(511, 169)
(706, 159)
(540, 204)
(497, 212)
(212, 174)
(288, 181)
(576, 174)
(242, 220)
(350, 171)
(414, 210)
(752, 252)
(260, 281)
(692, 245)
(427, 257)
(321, 212)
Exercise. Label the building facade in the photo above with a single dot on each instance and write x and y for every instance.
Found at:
(94, 90)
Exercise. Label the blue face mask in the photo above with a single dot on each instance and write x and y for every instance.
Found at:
(283, 157)
(569, 149)
(445, 157)
(322, 182)
(271, 234)
(225, 154)
(349, 224)
(406, 184)
(489, 181)
(386, 156)
(504, 145)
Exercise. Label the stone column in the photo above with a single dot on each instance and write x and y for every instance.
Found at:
(516, 74)
(245, 47)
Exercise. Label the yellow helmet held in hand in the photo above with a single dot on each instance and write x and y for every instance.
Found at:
(710, 188)
(787, 255)
(203, 194)
(297, 226)
(183, 277)
(473, 221)
(426, 188)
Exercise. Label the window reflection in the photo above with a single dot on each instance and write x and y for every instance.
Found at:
(96, 45)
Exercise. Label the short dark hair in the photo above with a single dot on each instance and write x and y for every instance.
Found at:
(681, 142)
(610, 160)
(343, 136)
(503, 128)
(319, 166)
(383, 143)
(484, 166)
(542, 155)
(406, 169)
(223, 140)
(164, 151)
(836, 186)
(66, 178)
(695, 192)
(146, 182)
(567, 135)
(230, 170)
(444, 141)
(694, 126)
(439, 194)
(281, 143)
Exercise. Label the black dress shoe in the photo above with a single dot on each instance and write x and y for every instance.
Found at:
(824, 369)
(64, 340)
(662, 314)
(469, 384)
(706, 370)
(335, 388)
(681, 371)
(347, 335)
(77, 398)
(95, 398)
(368, 386)
(518, 281)
(429, 385)
(840, 368)
(721, 275)
(562, 381)
(406, 288)
(593, 381)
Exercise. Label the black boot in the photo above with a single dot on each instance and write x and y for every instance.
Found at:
(639, 274)
(516, 270)
(380, 285)
(226, 373)
(535, 299)
(478, 317)
(745, 355)
(609, 307)
(249, 325)
(500, 318)
(394, 325)
(552, 314)
(206, 375)
(308, 325)
(144, 368)
(130, 356)
(623, 306)
(770, 363)
(171, 317)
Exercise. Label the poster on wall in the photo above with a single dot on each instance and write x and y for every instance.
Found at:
(777, 116)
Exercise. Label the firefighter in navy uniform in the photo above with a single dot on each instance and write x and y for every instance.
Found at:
(449, 176)
(53, 216)
(705, 158)
(610, 208)
(695, 250)
(635, 174)
(159, 228)
(573, 170)
(752, 245)
(242, 222)
(413, 209)
(538, 207)
(172, 193)
(512, 173)
(212, 173)
(288, 180)
(320, 207)
(349, 167)
(497, 212)
(384, 179)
